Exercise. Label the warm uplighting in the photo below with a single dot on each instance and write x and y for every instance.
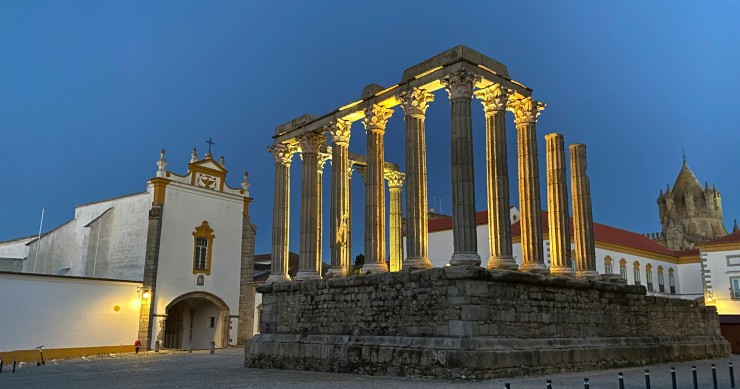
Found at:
(710, 297)
(145, 294)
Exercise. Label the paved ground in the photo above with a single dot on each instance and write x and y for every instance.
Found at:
(224, 370)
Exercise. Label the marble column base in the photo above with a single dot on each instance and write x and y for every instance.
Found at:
(307, 275)
(465, 259)
(420, 263)
(534, 267)
(336, 273)
(562, 271)
(374, 268)
(502, 263)
(589, 274)
(277, 278)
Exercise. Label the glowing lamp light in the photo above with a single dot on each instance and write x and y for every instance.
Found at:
(710, 297)
(146, 294)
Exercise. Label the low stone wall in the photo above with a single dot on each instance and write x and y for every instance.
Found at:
(467, 322)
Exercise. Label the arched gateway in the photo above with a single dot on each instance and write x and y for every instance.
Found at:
(196, 319)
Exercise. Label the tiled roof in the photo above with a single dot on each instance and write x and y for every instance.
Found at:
(602, 233)
(732, 238)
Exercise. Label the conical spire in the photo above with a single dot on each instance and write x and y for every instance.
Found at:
(686, 180)
(735, 228)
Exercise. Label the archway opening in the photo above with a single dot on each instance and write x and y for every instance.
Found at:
(195, 320)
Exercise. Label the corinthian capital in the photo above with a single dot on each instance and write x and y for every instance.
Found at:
(310, 142)
(526, 110)
(493, 98)
(460, 85)
(395, 179)
(323, 157)
(376, 117)
(415, 101)
(282, 153)
(340, 131)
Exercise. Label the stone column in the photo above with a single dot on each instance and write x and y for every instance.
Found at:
(395, 184)
(526, 110)
(349, 258)
(309, 243)
(494, 100)
(340, 190)
(557, 207)
(465, 240)
(281, 212)
(583, 222)
(375, 120)
(321, 161)
(414, 103)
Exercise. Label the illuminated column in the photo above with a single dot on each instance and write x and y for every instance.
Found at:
(583, 222)
(494, 99)
(349, 216)
(526, 110)
(414, 103)
(340, 174)
(464, 237)
(395, 185)
(309, 243)
(557, 206)
(321, 161)
(375, 120)
(281, 212)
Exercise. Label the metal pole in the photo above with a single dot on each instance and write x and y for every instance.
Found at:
(621, 380)
(714, 376)
(14, 362)
(732, 376)
(1, 365)
(647, 379)
(673, 377)
(38, 240)
(507, 386)
(585, 383)
(549, 384)
(696, 382)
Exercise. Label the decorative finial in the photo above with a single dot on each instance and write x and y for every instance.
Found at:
(735, 228)
(161, 163)
(194, 156)
(246, 184)
(210, 143)
(222, 161)
(683, 152)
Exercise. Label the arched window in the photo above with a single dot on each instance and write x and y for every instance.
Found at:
(671, 280)
(203, 248)
(607, 265)
(649, 276)
(661, 279)
(623, 268)
(636, 271)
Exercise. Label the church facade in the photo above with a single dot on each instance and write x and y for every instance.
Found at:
(186, 244)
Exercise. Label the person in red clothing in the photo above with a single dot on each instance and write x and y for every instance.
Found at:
(137, 345)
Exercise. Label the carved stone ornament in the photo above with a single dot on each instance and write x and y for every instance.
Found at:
(493, 98)
(340, 131)
(161, 164)
(526, 109)
(460, 85)
(376, 117)
(282, 153)
(310, 142)
(415, 101)
(395, 178)
(323, 157)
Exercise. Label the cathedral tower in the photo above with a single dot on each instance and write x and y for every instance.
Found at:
(689, 213)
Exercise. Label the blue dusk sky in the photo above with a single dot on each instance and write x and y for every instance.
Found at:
(90, 91)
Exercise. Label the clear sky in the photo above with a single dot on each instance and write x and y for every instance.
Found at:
(90, 91)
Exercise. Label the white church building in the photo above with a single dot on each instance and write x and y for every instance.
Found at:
(171, 266)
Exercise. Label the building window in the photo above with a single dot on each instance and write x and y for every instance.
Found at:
(735, 283)
(661, 279)
(636, 271)
(671, 281)
(607, 265)
(623, 269)
(649, 276)
(213, 322)
(203, 249)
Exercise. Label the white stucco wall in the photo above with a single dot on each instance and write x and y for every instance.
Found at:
(62, 312)
(15, 248)
(185, 208)
(723, 265)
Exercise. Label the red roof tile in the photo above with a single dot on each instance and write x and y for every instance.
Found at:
(732, 238)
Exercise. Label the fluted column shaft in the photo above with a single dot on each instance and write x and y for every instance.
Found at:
(526, 111)
(340, 133)
(281, 212)
(395, 185)
(321, 161)
(557, 206)
(310, 203)
(376, 118)
(583, 223)
(465, 240)
(494, 100)
(414, 103)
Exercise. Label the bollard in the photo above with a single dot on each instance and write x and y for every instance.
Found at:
(673, 377)
(585, 383)
(213, 347)
(621, 380)
(190, 348)
(732, 374)
(549, 384)
(696, 382)
(647, 379)
(14, 362)
(507, 386)
(156, 346)
(1, 366)
(714, 376)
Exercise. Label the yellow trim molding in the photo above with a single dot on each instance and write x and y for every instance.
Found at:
(203, 231)
(60, 353)
(720, 247)
(160, 184)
